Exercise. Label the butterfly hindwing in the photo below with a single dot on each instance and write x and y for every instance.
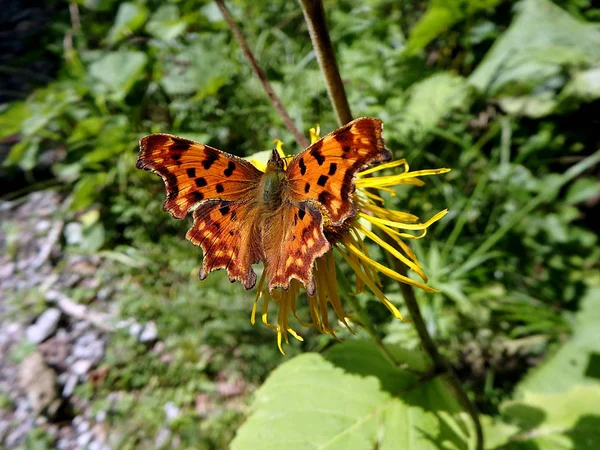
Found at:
(296, 239)
(325, 171)
(227, 233)
(195, 172)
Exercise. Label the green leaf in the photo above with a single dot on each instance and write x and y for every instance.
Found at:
(569, 420)
(186, 73)
(440, 16)
(354, 399)
(45, 105)
(583, 189)
(12, 118)
(165, 23)
(544, 50)
(24, 153)
(117, 72)
(578, 360)
(430, 100)
(130, 17)
(86, 189)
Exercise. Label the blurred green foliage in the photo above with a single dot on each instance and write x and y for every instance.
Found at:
(513, 258)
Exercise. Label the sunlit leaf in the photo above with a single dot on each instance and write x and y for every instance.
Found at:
(355, 399)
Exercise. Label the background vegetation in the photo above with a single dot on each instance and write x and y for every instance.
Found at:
(505, 93)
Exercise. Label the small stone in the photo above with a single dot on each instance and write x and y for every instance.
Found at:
(100, 416)
(42, 225)
(70, 385)
(172, 412)
(74, 233)
(162, 437)
(89, 346)
(84, 439)
(6, 269)
(83, 426)
(44, 326)
(149, 333)
(135, 329)
(38, 380)
(104, 293)
(81, 367)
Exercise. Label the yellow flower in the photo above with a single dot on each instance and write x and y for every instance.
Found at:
(353, 249)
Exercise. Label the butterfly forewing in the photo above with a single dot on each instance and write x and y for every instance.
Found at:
(325, 171)
(194, 172)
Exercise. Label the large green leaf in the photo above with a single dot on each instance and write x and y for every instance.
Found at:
(12, 118)
(429, 101)
(352, 399)
(545, 62)
(441, 15)
(165, 23)
(198, 69)
(130, 17)
(578, 360)
(569, 420)
(117, 72)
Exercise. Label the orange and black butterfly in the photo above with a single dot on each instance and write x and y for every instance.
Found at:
(243, 216)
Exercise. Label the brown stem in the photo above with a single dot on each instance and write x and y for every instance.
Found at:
(239, 37)
(315, 19)
(440, 363)
(314, 15)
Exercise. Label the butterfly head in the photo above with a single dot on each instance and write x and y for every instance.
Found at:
(275, 163)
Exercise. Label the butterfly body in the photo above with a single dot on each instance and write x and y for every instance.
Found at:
(274, 182)
(243, 216)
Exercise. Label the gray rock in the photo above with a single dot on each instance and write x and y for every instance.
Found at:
(100, 416)
(135, 329)
(44, 326)
(89, 346)
(81, 367)
(38, 381)
(74, 233)
(84, 439)
(70, 385)
(162, 437)
(172, 412)
(149, 333)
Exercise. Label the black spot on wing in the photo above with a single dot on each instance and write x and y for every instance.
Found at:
(332, 169)
(324, 197)
(209, 160)
(219, 187)
(179, 146)
(230, 168)
(201, 182)
(224, 210)
(322, 180)
(302, 166)
(197, 196)
(315, 152)
(301, 214)
(191, 173)
(348, 187)
(307, 188)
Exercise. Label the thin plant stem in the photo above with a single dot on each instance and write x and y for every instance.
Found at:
(314, 16)
(239, 37)
(315, 19)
